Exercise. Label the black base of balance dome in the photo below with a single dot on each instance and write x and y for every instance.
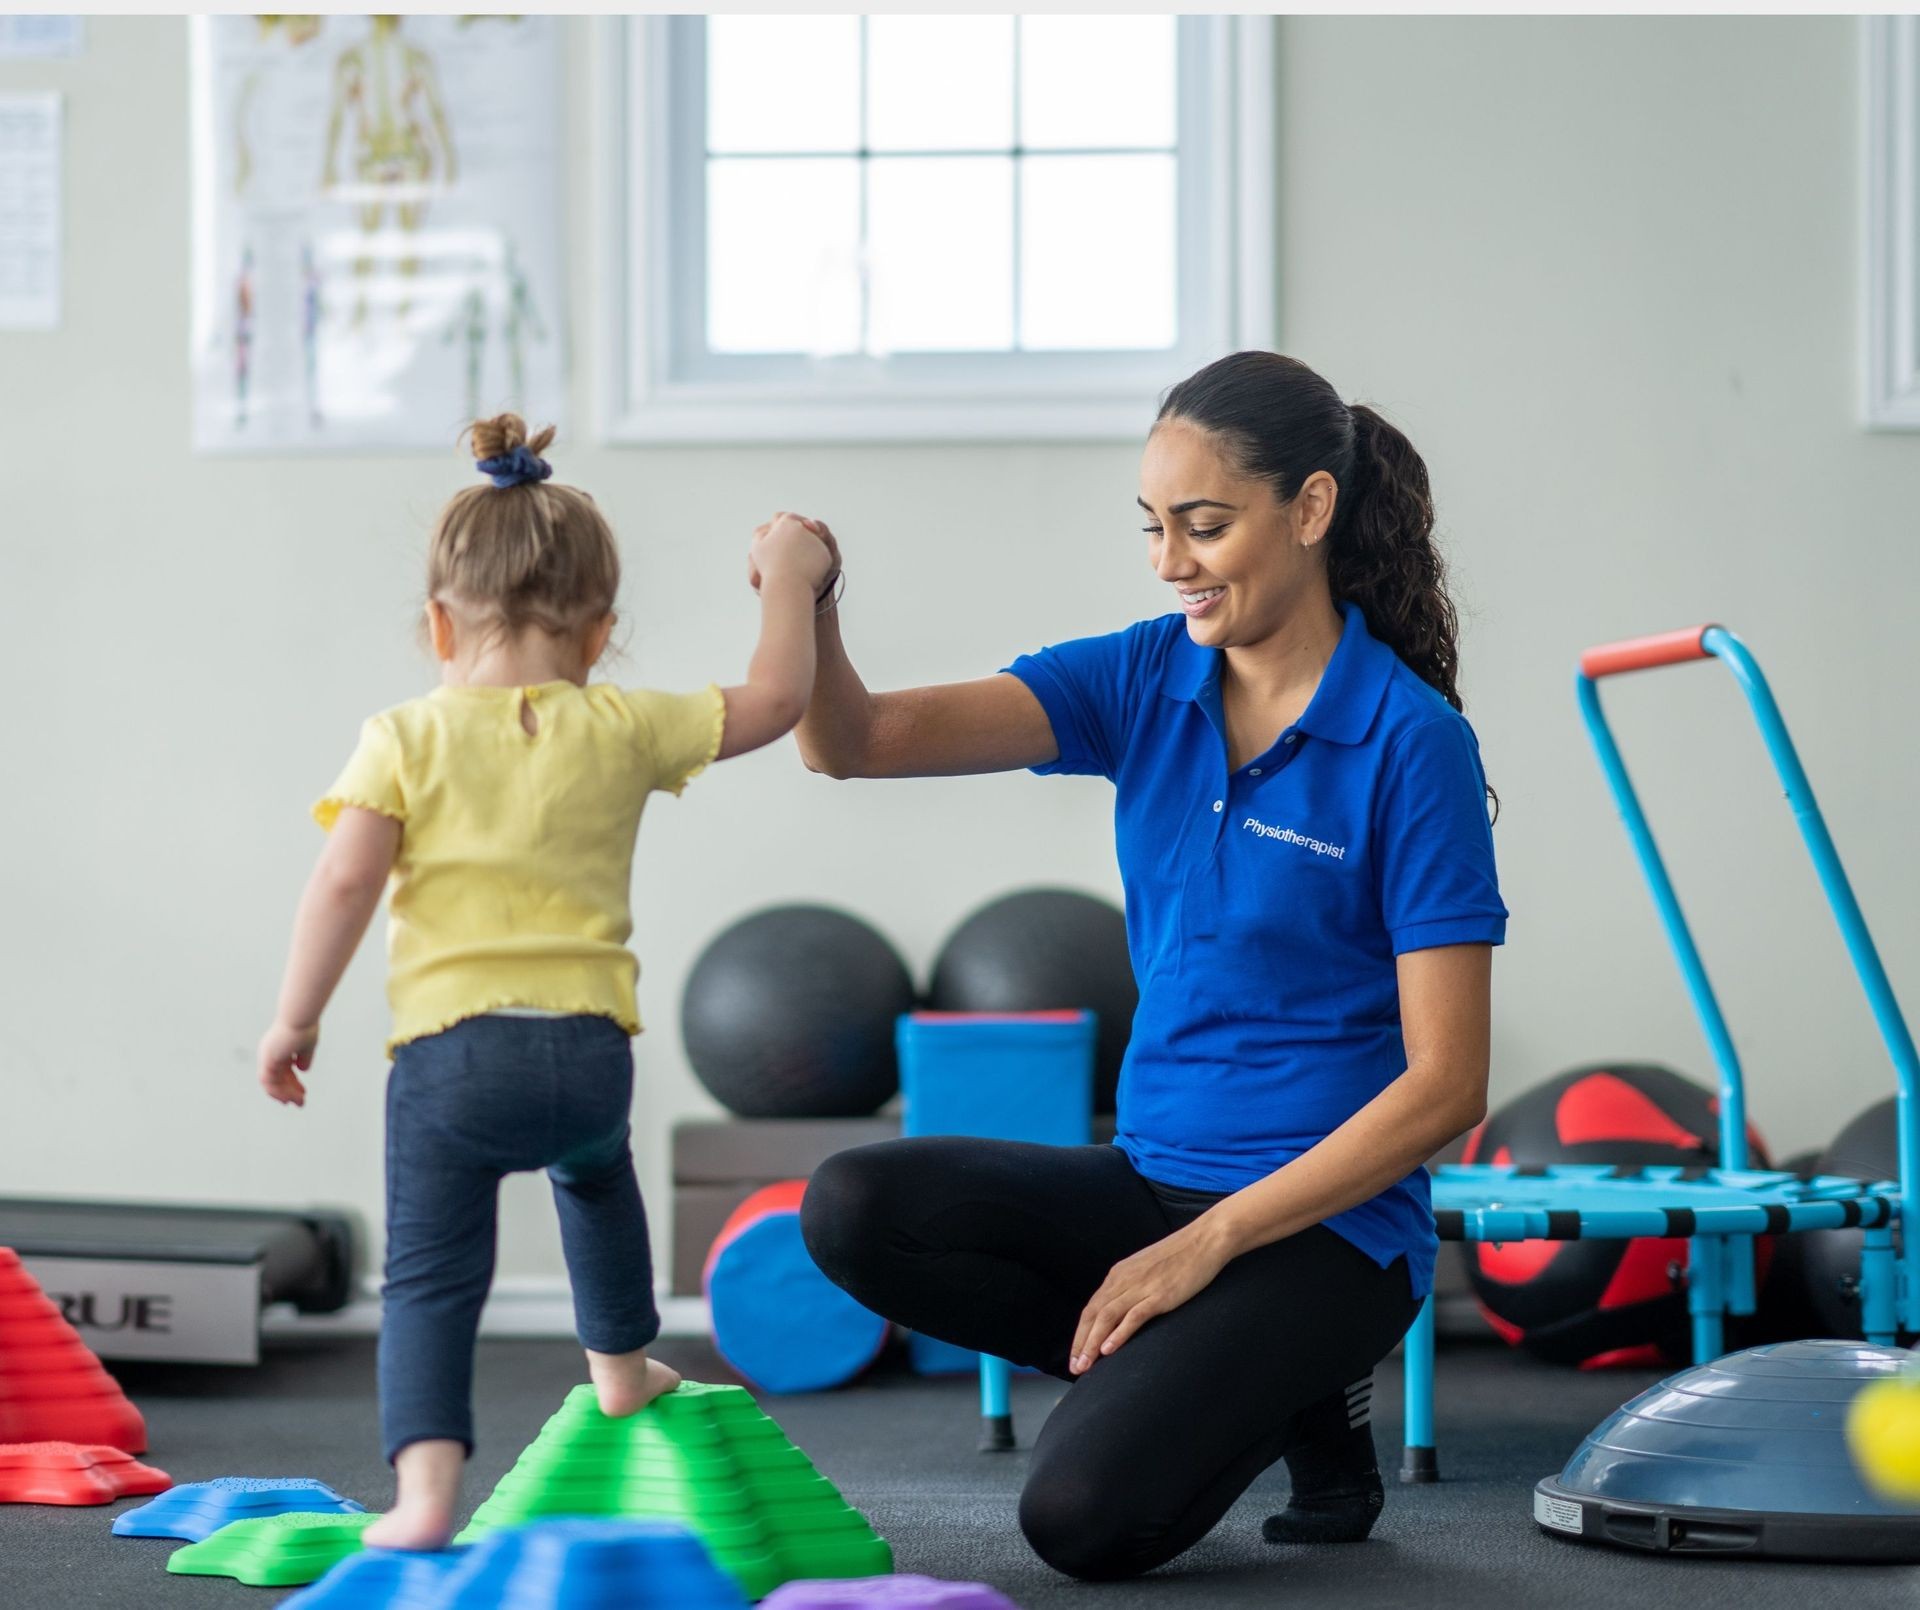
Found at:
(1743, 1456)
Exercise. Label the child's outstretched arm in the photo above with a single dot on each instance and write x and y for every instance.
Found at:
(792, 564)
(338, 904)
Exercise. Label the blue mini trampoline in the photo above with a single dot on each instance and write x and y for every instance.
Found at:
(1721, 1209)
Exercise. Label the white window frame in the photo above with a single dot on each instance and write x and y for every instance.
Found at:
(1055, 396)
(1890, 72)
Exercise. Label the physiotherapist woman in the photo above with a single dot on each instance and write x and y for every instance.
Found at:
(1302, 827)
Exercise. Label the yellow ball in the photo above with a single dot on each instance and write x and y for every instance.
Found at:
(1883, 1431)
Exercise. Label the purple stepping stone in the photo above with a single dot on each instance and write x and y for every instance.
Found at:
(896, 1592)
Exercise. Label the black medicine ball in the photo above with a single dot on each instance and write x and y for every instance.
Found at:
(1042, 950)
(790, 1014)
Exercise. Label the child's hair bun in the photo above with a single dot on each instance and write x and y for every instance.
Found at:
(500, 435)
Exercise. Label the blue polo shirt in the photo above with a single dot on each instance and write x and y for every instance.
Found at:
(1265, 907)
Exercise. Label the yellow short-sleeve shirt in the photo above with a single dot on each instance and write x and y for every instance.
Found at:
(516, 848)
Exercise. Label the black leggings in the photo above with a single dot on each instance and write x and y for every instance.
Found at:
(997, 1245)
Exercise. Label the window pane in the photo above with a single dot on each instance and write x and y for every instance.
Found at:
(940, 83)
(941, 247)
(783, 83)
(1097, 81)
(1097, 252)
(783, 241)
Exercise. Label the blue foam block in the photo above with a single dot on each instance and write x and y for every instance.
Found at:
(196, 1510)
(1001, 1077)
(779, 1321)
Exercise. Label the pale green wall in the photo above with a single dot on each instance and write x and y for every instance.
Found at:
(1603, 272)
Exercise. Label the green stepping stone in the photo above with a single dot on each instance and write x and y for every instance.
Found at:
(706, 1456)
(274, 1551)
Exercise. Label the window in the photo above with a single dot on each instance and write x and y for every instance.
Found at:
(1891, 67)
(921, 227)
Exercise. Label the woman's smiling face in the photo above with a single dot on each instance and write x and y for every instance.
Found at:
(1239, 560)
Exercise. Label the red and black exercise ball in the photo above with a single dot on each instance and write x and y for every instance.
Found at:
(1597, 1302)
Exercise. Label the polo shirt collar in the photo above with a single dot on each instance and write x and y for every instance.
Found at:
(1343, 706)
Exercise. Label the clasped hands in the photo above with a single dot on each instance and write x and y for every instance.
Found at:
(792, 539)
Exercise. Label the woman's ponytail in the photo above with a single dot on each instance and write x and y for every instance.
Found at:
(1381, 554)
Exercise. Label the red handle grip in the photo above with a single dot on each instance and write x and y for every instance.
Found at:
(1644, 653)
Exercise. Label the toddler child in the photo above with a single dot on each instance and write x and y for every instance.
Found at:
(499, 814)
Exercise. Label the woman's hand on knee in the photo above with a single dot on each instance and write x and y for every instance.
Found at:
(1155, 1280)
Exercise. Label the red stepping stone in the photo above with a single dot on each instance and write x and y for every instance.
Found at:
(69, 1473)
(52, 1387)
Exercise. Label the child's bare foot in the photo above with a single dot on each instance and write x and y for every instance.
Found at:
(627, 1382)
(428, 1473)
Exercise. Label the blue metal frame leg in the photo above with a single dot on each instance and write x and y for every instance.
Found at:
(996, 1405)
(1419, 1460)
(1707, 1296)
(1879, 1318)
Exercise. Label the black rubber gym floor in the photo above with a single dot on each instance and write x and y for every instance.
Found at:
(902, 1449)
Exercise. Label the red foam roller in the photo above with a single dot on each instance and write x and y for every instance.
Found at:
(52, 1386)
(71, 1473)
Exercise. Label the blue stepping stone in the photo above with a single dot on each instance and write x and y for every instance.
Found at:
(579, 1564)
(380, 1579)
(568, 1564)
(196, 1511)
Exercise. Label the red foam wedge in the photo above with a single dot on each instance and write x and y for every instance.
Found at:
(52, 1387)
(70, 1473)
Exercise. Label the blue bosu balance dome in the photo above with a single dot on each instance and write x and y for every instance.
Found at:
(1746, 1455)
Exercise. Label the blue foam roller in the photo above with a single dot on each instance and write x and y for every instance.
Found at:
(198, 1509)
(776, 1318)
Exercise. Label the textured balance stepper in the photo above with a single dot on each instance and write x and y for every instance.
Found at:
(706, 1456)
(567, 1564)
(379, 1579)
(274, 1551)
(198, 1509)
(73, 1473)
(888, 1593)
(52, 1387)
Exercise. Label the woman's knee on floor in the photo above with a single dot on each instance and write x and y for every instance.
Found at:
(850, 1200)
(1084, 1528)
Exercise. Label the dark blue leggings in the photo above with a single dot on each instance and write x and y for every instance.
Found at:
(488, 1097)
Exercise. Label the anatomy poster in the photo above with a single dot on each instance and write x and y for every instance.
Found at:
(377, 222)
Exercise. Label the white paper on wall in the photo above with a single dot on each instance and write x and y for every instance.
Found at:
(30, 208)
(378, 207)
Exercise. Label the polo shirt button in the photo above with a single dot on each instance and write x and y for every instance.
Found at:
(1253, 771)
(1290, 737)
(1218, 803)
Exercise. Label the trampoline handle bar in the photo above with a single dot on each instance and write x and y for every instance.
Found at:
(1645, 653)
(1713, 641)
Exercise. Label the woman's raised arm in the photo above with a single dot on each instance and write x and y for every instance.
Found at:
(952, 730)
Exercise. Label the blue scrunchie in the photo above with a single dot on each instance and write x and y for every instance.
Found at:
(515, 468)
